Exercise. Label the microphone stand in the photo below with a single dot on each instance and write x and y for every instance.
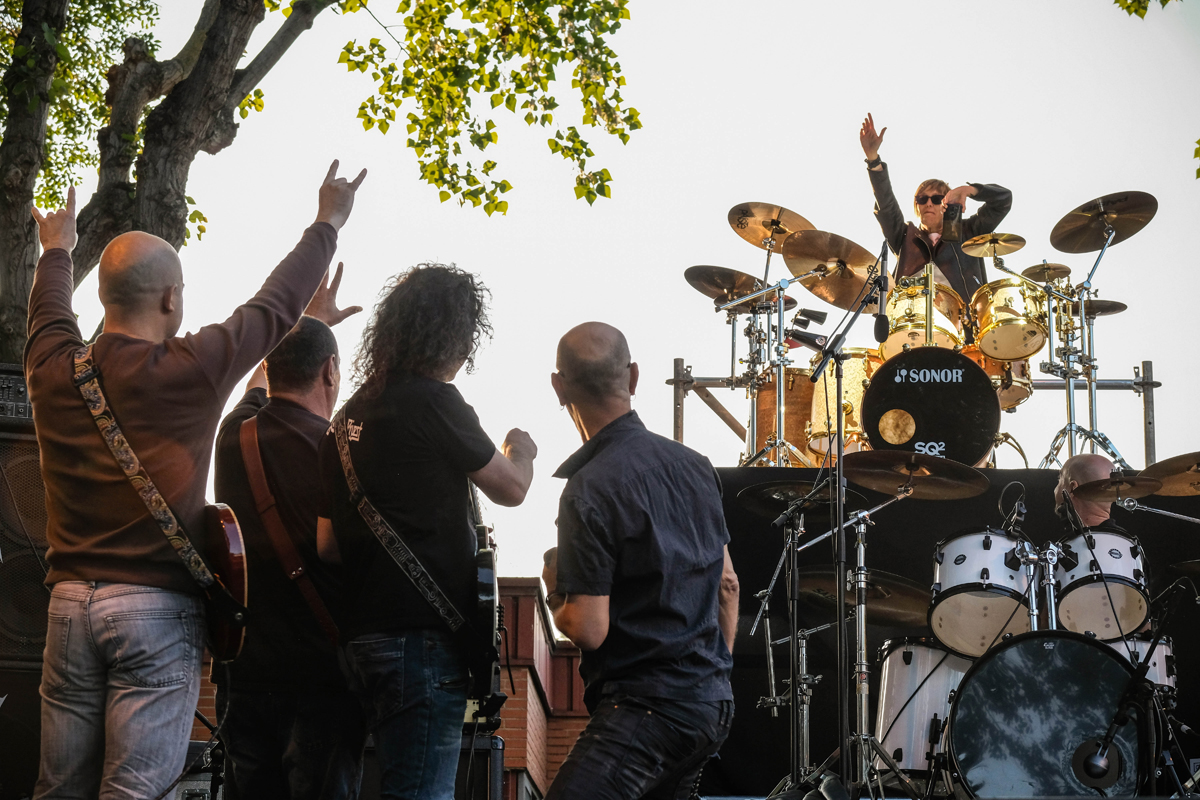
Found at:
(833, 351)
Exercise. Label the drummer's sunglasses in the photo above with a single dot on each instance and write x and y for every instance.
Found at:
(937, 199)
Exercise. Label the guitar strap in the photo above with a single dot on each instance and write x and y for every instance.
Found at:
(277, 533)
(87, 380)
(390, 540)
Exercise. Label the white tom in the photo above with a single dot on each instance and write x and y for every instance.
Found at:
(979, 591)
(1162, 662)
(1095, 567)
(915, 685)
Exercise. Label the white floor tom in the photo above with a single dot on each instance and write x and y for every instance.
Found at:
(916, 679)
(1162, 662)
(979, 591)
(1095, 567)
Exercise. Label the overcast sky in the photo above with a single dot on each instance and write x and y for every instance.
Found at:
(1060, 102)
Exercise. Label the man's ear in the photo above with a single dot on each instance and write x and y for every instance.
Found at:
(329, 371)
(633, 378)
(560, 391)
(170, 298)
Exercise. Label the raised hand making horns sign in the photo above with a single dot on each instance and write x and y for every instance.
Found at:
(336, 197)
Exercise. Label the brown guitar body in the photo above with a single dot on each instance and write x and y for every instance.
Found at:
(226, 557)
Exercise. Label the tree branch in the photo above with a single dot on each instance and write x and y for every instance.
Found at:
(300, 20)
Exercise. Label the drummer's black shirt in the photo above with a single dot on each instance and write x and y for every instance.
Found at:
(641, 521)
(412, 446)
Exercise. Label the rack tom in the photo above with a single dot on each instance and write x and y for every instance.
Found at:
(1010, 319)
(979, 591)
(906, 317)
(1103, 580)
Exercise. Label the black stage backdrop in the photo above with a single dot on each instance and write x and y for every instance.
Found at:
(755, 757)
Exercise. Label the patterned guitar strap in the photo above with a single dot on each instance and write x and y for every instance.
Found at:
(395, 546)
(87, 380)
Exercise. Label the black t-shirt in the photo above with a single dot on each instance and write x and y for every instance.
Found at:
(641, 521)
(285, 648)
(412, 446)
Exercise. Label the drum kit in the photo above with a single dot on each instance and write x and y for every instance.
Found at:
(1047, 675)
(945, 367)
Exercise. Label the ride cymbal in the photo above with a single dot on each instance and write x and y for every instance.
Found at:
(990, 245)
(1083, 230)
(932, 477)
(842, 267)
(1098, 308)
(724, 285)
(1114, 489)
(1044, 273)
(1179, 476)
(756, 222)
(772, 498)
(891, 599)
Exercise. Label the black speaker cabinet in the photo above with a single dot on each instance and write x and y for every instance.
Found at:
(24, 597)
(20, 728)
(480, 770)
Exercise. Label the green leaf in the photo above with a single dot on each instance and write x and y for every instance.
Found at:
(443, 195)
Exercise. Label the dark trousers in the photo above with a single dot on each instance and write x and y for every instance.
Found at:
(642, 747)
(291, 745)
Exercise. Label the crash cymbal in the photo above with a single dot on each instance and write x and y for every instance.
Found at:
(932, 477)
(1082, 230)
(772, 498)
(1180, 476)
(891, 599)
(843, 267)
(723, 284)
(1098, 308)
(755, 222)
(1044, 273)
(990, 245)
(1114, 489)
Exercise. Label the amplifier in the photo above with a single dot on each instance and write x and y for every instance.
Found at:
(16, 415)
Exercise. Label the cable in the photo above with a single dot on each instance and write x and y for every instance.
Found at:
(916, 691)
(24, 530)
(1008, 621)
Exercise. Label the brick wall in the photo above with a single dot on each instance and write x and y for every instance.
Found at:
(207, 704)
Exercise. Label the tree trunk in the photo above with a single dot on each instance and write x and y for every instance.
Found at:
(21, 156)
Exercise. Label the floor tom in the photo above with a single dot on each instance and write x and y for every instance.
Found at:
(1010, 319)
(859, 366)
(1011, 379)
(797, 405)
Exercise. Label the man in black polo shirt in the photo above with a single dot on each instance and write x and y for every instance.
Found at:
(292, 728)
(643, 585)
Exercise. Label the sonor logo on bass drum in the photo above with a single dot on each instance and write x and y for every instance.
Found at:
(929, 376)
(931, 448)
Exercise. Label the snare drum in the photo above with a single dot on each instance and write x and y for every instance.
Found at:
(797, 405)
(906, 318)
(1113, 566)
(1014, 384)
(979, 591)
(1162, 663)
(857, 370)
(915, 685)
(1010, 316)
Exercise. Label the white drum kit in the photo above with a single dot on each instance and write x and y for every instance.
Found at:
(1047, 675)
(984, 344)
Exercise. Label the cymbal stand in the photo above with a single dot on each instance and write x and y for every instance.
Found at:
(1129, 504)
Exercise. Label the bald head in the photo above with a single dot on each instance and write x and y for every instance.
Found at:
(1086, 467)
(593, 360)
(1076, 471)
(135, 269)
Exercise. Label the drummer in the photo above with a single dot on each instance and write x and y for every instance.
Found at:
(1076, 471)
(915, 246)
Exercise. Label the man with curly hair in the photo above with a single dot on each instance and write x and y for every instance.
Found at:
(414, 443)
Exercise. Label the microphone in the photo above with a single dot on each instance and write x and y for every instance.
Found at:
(813, 341)
(882, 324)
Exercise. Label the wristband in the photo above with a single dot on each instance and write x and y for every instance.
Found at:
(872, 163)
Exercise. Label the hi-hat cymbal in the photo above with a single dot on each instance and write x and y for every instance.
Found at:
(990, 245)
(1098, 308)
(1180, 476)
(723, 285)
(932, 477)
(755, 222)
(1044, 273)
(772, 498)
(891, 599)
(1083, 230)
(1114, 489)
(843, 267)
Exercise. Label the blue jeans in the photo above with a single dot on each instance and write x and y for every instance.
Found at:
(120, 679)
(297, 745)
(642, 747)
(413, 688)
